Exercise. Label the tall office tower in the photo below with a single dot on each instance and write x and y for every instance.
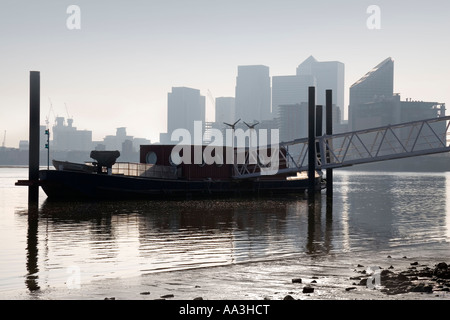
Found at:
(253, 93)
(225, 108)
(290, 90)
(293, 121)
(328, 75)
(184, 106)
(376, 85)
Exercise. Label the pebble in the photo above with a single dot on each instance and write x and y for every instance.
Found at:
(308, 290)
(350, 288)
(167, 296)
(145, 293)
(288, 297)
(297, 280)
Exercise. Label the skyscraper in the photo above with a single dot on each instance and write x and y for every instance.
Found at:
(184, 106)
(376, 85)
(253, 93)
(293, 121)
(328, 75)
(225, 109)
(289, 90)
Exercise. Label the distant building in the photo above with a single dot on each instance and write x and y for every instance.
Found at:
(128, 146)
(225, 110)
(293, 121)
(328, 75)
(68, 138)
(376, 86)
(290, 90)
(253, 93)
(115, 142)
(184, 107)
(393, 111)
(24, 145)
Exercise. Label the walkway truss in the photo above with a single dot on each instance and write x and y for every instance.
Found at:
(351, 148)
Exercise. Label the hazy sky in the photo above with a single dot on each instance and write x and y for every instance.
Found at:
(117, 69)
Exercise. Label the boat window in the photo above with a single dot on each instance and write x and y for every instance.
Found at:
(151, 157)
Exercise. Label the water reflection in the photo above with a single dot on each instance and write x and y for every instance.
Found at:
(31, 280)
(128, 238)
(162, 236)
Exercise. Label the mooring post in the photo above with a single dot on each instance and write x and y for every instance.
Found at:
(319, 130)
(311, 142)
(33, 153)
(329, 132)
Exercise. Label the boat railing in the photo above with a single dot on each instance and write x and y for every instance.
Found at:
(144, 170)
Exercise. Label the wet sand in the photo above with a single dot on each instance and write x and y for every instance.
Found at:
(331, 277)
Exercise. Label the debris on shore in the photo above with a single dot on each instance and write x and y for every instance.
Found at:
(424, 280)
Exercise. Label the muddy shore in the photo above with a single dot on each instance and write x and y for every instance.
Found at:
(331, 277)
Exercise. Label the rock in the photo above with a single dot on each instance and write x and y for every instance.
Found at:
(442, 265)
(112, 298)
(315, 277)
(402, 277)
(405, 257)
(198, 298)
(414, 263)
(308, 289)
(363, 282)
(355, 278)
(288, 297)
(350, 288)
(391, 267)
(297, 280)
(145, 293)
(389, 257)
(360, 266)
(314, 281)
(442, 271)
(422, 288)
(167, 296)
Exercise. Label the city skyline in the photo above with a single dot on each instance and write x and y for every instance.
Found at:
(117, 69)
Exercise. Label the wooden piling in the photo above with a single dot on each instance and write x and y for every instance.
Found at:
(311, 141)
(329, 132)
(33, 153)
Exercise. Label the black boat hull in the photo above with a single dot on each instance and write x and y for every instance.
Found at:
(60, 184)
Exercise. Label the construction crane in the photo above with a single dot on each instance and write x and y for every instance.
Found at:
(67, 111)
(48, 115)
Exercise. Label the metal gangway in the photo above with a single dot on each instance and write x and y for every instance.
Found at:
(389, 142)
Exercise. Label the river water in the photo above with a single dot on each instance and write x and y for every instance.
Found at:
(222, 249)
